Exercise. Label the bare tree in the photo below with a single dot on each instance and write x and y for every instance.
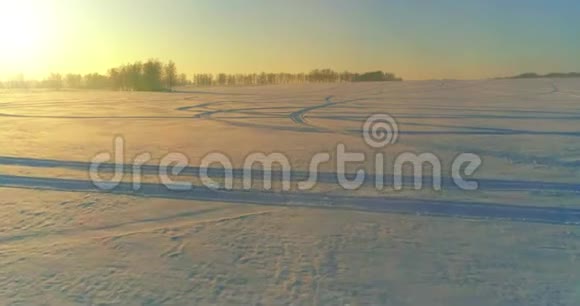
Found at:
(153, 75)
(54, 81)
(170, 72)
(182, 79)
(73, 80)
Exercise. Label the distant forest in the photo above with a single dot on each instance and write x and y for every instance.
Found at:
(154, 75)
(531, 75)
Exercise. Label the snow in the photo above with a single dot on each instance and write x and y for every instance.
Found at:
(513, 242)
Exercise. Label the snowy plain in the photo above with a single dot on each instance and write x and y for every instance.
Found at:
(515, 241)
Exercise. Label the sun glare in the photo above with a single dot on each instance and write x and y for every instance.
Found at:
(24, 29)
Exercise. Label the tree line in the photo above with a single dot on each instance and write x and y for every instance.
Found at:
(154, 75)
(533, 75)
(315, 76)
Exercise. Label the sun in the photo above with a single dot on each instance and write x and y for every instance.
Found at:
(24, 29)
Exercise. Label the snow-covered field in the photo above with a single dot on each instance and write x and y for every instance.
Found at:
(515, 241)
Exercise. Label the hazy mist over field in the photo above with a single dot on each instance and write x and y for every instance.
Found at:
(289, 153)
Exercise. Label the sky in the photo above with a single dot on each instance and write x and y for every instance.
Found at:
(415, 39)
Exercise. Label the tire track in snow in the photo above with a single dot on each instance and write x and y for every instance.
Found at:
(485, 184)
(405, 206)
(298, 116)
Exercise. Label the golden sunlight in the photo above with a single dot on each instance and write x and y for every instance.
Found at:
(25, 28)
